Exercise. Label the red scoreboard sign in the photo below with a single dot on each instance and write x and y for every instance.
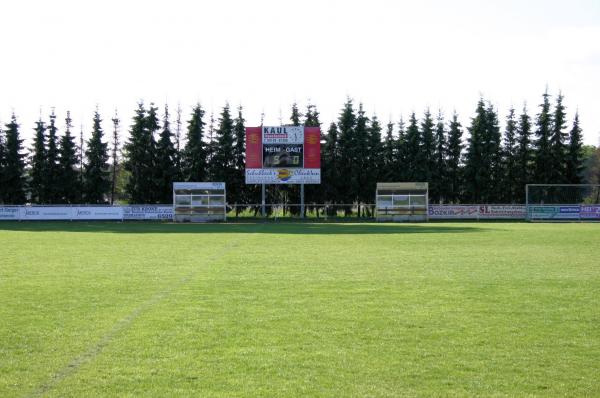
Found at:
(283, 155)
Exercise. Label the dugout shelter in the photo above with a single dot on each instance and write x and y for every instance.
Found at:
(402, 201)
(199, 201)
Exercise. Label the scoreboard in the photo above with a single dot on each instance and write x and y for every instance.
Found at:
(283, 155)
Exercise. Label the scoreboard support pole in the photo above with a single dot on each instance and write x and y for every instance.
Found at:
(301, 200)
(263, 208)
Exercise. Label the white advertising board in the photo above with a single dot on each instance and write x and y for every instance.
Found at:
(45, 213)
(148, 212)
(454, 212)
(283, 176)
(198, 185)
(9, 213)
(97, 213)
(517, 212)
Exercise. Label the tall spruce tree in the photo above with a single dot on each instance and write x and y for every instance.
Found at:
(295, 117)
(240, 194)
(13, 182)
(69, 188)
(166, 172)
(439, 184)
(414, 167)
(574, 161)
(140, 156)
(177, 143)
(427, 152)
(476, 173)
(222, 168)
(114, 158)
(38, 164)
(2, 163)
(333, 183)
(509, 192)
(360, 166)
(524, 157)
(194, 160)
(347, 146)
(96, 185)
(389, 154)
(493, 156)
(400, 162)
(152, 127)
(375, 159)
(52, 166)
(453, 162)
(543, 149)
(558, 147)
(312, 116)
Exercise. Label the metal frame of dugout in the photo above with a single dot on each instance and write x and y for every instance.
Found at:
(402, 201)
(199, 201)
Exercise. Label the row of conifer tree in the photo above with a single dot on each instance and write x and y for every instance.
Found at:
(481, 163)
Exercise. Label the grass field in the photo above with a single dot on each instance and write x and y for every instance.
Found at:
(339, 310)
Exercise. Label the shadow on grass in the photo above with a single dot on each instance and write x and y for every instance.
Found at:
(231, 228)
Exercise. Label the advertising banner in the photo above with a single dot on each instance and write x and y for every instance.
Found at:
(590, 212)
(283, 155)
(518, 212)
(97, 213)
(283, 176)
(148, 212)
(9, 213)
(45, 213)
(454, 212)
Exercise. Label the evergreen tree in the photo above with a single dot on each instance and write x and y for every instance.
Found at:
(574, 162)
(493, 157)
(389, 154)
(510, 162)
(69, 187)
(239, 194)
(38, 164)
(295, 117)
(375, 160)
(414, 168)
(347, 146)
(558, 149)
(543, 149)
(360, 165)
(52, 177)
(152, 127)
(333, 183)
(223, 163)
(96, 177)
(427, 153)
(400, 170)
(524, 157)
(13, 179)
(178, 154)
(439, 183)
(476, 173)
(454, 171)
(2, 163)
(115, 158)
(140, 152)
(312, 116)
(195, 152)
(166, 171)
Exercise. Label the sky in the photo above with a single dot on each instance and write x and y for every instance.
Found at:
(394, 56)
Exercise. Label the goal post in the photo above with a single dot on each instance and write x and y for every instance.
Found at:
(562, 202)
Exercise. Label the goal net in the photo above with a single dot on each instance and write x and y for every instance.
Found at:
(548, 202)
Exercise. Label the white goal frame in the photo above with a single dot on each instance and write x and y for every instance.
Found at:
(564, 210)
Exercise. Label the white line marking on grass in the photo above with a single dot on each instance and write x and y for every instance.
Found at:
(76, 363)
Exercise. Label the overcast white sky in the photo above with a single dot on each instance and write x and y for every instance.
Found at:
(395, 56)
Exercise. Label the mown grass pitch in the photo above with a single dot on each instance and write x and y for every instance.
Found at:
(110, 309)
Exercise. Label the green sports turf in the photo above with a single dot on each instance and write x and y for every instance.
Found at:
(337, 310)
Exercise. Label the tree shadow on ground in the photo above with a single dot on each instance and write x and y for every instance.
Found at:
(305, 228)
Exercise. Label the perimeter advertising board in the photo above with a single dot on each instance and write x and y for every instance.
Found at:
(283, 155)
